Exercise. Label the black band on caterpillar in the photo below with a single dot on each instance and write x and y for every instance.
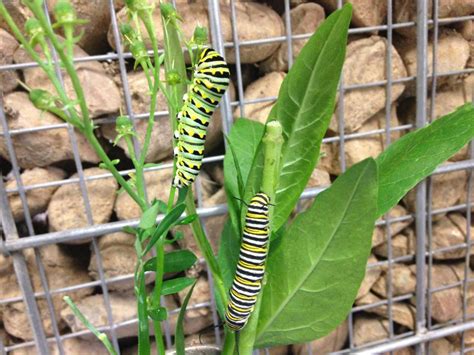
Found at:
(251, 265)
(210, 81)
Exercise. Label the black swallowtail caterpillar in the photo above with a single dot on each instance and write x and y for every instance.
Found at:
(210, 81)
(251, 265)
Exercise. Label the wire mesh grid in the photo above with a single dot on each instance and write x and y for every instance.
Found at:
(423, 255)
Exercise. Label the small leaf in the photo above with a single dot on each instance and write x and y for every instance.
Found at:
(315, 271)
(417, 154)
(152, 165)
(129, 230)
(158, 314)
(167, 222)
(179, 333)
(175, 261)
(175, 285)
(187, 220)
(228, 253)
(148, 218)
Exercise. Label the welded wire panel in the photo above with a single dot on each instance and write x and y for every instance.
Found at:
(410, 272)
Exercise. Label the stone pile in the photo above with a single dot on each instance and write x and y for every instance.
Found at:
(55, 202)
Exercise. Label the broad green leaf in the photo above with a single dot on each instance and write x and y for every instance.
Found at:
(305, 105)
(167, 222)
(417, 154)
(313, 275)
(175, 285)
(244, 138)
(148, 218)
(175, 261)
(187, 220)
(228, 253)
(179, 334)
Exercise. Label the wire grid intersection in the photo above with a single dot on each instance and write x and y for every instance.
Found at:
(423, 217)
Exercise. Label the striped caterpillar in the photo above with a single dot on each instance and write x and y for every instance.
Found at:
(210, 81)
(251, 265)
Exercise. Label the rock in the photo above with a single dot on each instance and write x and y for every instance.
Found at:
(380, 232)
(365, 63)
(97, 15)
(266, 86)
(41, 148)
(368, 329)
(356, 150)
(403, 281)
(447, 190)
(101, 93)
(328, 159)
(67, 211)
(439, 346)
(402, 313)
(19, 13)
(332, 342)
(118, 258)
(405, 11)
(372, 274)
(158, 183)
(8, 46)
(162, 134)
(305, 18)
(38, 199)
(447, 100)
(449, 231)
(247, 15)
(71, 346)
(452, 55)
(445, 304)
(62, 270)
(402, 244)
(197, 319)
(366, 13)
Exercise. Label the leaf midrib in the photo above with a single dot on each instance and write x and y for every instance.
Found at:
(319, 259)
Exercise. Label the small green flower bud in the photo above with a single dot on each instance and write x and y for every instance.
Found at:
(169, 12)
(123, 123)
(173, 78)
(138, 50)
(64, 12)
(200, 35)
(42, 99)
(126, 30)
(33, 27)
(138, 5)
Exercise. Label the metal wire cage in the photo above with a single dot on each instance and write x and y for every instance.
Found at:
(417, 339)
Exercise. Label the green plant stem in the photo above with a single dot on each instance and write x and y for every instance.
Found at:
(73, 119)
(272, 144)
(101, 336)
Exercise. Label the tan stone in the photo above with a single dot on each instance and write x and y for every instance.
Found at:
(402, 313)
(8, 46)
(328, 159)
(452, 54)
(447, 190)
(440, 346)
(71, 346)
(403, 281)
(162, 134)
(19, 13)
(102, 98)
(332, 342)
(247, 14)
(40, 148)
(264, 87)
(405, 11)
(449, 231)
(402, 244)
(445, 304)
(118, 259)
(356, 150)
(372, 274)
(97, 15)
(37, 199)
(368, 329)
(365, 12)
(197, 319)
(158, 184)
(366, 63)
(67, 211)
(62, 270)
(305, 18)
(379, 235)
